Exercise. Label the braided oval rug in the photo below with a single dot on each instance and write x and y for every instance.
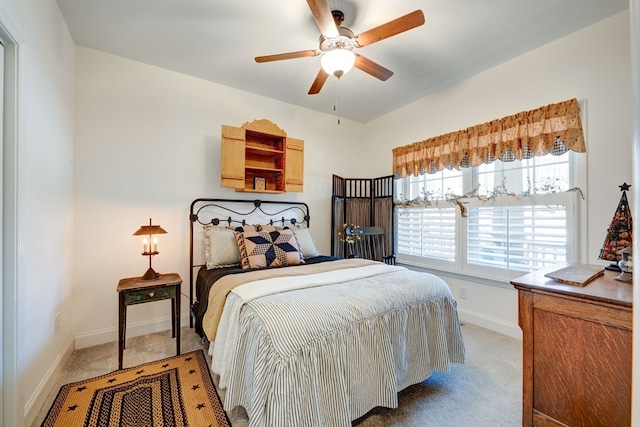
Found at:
(173, 392)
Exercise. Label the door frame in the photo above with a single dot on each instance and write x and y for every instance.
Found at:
(11, 349)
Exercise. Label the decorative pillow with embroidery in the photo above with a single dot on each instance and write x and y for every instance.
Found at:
(261, 249)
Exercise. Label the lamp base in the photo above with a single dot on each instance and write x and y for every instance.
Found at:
(612, 267)
(150, 274)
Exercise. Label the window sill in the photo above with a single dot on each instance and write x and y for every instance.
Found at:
(500, 283)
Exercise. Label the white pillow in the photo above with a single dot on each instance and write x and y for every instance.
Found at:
(307, 245)
(220, 248)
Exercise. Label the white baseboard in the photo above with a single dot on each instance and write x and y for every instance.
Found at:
(37, 399)
(133, 330)
(491, 323)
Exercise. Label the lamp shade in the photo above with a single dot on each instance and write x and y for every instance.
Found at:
(337, 61)
(150, 248)
(149, 229)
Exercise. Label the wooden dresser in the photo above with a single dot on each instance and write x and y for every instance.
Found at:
(576, 351)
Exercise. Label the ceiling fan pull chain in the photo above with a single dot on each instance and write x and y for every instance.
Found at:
(336, 96)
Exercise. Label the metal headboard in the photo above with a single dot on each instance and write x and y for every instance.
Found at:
(232, 212)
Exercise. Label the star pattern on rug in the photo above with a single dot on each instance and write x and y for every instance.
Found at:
(195, 387)
(166, 365)
(192, 371)
(83, 388)
(200, 406)
(112, 380)
(188, 359)
(73, 408)
(139, 372)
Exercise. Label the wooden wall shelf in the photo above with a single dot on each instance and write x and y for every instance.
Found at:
(261, 150)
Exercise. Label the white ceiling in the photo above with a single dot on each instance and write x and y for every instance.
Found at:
(217, 41)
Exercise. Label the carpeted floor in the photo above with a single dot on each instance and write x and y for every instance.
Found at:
(486, 391)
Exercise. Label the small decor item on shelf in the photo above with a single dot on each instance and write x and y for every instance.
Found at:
(259, 183)
(349, 234)
(619, 234)
(150, 246)
(626, 266)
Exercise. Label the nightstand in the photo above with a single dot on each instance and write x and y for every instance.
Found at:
(134, 290)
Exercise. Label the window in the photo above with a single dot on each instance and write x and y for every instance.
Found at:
(513, 217)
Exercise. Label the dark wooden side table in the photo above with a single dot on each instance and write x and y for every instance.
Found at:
(134, 290)
(576, 343)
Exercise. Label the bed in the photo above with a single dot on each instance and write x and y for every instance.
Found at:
(302, 339)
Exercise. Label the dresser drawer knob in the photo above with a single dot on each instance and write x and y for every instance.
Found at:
(151, 294)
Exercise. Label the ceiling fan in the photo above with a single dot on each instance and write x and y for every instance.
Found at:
(337, 44)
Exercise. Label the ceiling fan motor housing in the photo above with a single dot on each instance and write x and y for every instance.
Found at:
(343, 41)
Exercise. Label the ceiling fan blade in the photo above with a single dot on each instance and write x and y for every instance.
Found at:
(289, 55)
(318, 82)
(370, 67)
(324, 18)
(391, 28)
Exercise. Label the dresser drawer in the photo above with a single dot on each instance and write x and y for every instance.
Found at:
(148, 295)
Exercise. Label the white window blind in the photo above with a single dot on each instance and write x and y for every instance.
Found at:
(428, 232)
(517, 237)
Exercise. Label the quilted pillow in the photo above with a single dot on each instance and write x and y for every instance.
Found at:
(262, 249)
(220, 247)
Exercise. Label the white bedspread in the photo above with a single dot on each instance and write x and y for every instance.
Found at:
(325, 350)
(260, 288)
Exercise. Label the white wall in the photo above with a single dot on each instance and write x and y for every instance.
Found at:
(44, 194)
(147, 143)
(592, 65)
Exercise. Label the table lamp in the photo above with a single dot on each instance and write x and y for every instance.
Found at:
(150, 246)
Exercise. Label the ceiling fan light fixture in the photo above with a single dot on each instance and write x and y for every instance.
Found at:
(337, 62)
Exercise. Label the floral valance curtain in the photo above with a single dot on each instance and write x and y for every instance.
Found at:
(551, 129)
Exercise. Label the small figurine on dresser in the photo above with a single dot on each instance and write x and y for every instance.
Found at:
(626, 266)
